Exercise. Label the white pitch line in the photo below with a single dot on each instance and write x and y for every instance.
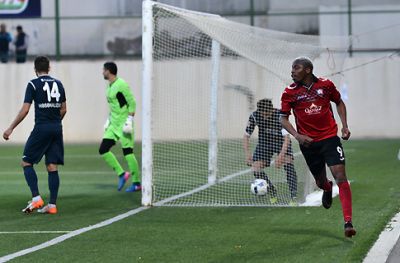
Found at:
(382, 248)
(64, 237)
(33, 232)
(62, 172)
(67, 156)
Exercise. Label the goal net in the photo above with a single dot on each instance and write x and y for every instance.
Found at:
(203, 76)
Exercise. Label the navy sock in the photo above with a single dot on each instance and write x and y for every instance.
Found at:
(31, 179)
(291, 179)
(54, 183)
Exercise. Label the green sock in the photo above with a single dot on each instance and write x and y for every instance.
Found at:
(110, 159)
(133, 167)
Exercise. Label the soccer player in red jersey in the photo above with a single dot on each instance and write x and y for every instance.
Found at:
(310, 99)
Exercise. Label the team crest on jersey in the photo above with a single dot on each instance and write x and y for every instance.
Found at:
(313, 109)
(320, 91)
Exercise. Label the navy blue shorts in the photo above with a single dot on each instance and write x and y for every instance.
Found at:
(264, 152)
(328, 151)
(45, 140)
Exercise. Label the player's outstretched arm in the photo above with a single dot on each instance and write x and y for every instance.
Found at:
(342, 112)
(20, 117)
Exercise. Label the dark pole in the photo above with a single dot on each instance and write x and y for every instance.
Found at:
(252, 12)
(57, 20)
(350, 28)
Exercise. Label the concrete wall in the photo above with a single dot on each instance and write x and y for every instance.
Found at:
(372, 97)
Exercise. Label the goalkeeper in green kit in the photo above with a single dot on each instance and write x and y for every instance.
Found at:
(119, 127)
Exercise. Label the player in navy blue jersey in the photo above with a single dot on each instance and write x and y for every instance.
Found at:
(272, 138)
(46, 138)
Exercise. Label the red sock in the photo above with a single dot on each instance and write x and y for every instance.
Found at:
(327, 186)
(345, 199)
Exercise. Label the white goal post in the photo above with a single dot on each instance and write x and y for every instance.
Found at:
(202, 78)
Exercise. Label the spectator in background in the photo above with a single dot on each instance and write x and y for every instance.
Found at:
(5, 39)
(21, 45)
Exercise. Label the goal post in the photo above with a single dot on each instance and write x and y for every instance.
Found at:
(213, 142)
(147, 75)
(202, 78)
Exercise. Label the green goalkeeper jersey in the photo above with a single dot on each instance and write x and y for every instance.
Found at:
(121, 102)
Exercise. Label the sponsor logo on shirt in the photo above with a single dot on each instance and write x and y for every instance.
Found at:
(313, 109)
(300, 97)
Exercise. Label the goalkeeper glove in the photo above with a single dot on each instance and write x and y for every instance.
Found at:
(128, 126)
(106, 124)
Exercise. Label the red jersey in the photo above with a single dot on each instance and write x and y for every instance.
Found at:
(312, 108)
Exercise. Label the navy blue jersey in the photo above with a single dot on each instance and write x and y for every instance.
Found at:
(269, 127)
(48, 94)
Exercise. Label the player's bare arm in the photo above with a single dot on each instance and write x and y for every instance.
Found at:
(246, 143)
(342, 112)
(281, 159)
(20, 117)
(63, 110)
(302, 139)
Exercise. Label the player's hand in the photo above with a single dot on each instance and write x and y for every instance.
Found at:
(106, 124)
(304, 140)
(7, 133)
(249, 160)
(128, 126)
(346, 133)
(279, 160)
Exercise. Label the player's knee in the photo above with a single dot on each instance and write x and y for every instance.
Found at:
(340, 177)
(127, 151)
(25, 164)
(258, 166)
(103, 150)
(105, 146)
(320, 183)
(51, 167)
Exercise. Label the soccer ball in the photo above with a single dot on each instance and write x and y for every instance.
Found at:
(259, 187)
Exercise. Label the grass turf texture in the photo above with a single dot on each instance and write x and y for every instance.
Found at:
(165, 234)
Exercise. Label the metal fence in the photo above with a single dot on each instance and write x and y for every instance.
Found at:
(65, 36)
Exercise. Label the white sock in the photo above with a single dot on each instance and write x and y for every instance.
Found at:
(36, 198)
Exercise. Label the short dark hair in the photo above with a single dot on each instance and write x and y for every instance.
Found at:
(42, 64)
(112, 67)
(19, 28)
(264, 105)
(305, 61)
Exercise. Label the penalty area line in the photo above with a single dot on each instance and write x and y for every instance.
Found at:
(34, 232)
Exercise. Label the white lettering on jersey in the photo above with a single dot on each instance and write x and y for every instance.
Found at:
(313, 109)
(53, 92)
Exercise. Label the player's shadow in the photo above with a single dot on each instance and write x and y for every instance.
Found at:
(306, 232)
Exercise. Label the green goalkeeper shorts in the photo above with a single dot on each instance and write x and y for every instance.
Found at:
(127, 140)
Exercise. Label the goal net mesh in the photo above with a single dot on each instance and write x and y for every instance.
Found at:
(254, 64)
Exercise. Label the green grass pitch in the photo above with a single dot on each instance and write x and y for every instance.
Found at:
(88, 196)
